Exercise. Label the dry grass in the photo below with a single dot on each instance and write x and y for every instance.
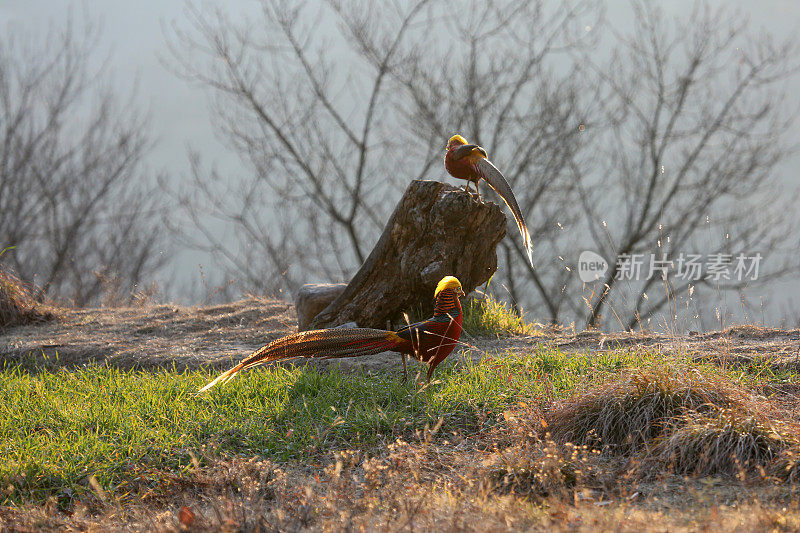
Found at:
(189, 337)
(679, 420)
(725, 443)
(787, 466)
(579, 441)
(161, 336)
(18, 306)
(636, 408)
(432, 483)
(542, 469)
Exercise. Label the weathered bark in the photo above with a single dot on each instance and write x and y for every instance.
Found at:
(436, 230)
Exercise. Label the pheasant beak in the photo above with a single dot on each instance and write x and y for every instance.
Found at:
(460, 293)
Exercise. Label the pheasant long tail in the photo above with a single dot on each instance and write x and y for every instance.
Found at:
(322, 343)
(496, 181)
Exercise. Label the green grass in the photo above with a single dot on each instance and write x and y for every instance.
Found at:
(490, 317)
(57, 429)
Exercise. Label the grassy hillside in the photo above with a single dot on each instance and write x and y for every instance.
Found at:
(514, 439)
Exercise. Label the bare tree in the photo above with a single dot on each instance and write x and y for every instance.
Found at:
(311, 203)
(506, 80)
(335, 108)
(75, 197)
(333, 120)
(692, 128)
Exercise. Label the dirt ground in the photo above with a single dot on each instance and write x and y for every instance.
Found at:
(189, 337)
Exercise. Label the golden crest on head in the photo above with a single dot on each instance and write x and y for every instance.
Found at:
(448, 282)
(455, 140)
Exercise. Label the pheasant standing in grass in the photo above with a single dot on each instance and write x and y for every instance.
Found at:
(430, 341)
(468, 162)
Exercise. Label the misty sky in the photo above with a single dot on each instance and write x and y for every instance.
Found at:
(134, 36)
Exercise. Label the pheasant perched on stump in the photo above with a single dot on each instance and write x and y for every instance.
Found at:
(468, 162)
(430, 341)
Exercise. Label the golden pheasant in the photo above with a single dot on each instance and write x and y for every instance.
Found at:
(468, 162)
(430, 341)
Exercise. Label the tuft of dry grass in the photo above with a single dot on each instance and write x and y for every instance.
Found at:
(680, 420)
(727, 443)
(786, 466)
(637, 407)
(543, 469)
(18, 306)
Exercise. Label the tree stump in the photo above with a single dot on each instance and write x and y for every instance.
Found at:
(436, 230)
